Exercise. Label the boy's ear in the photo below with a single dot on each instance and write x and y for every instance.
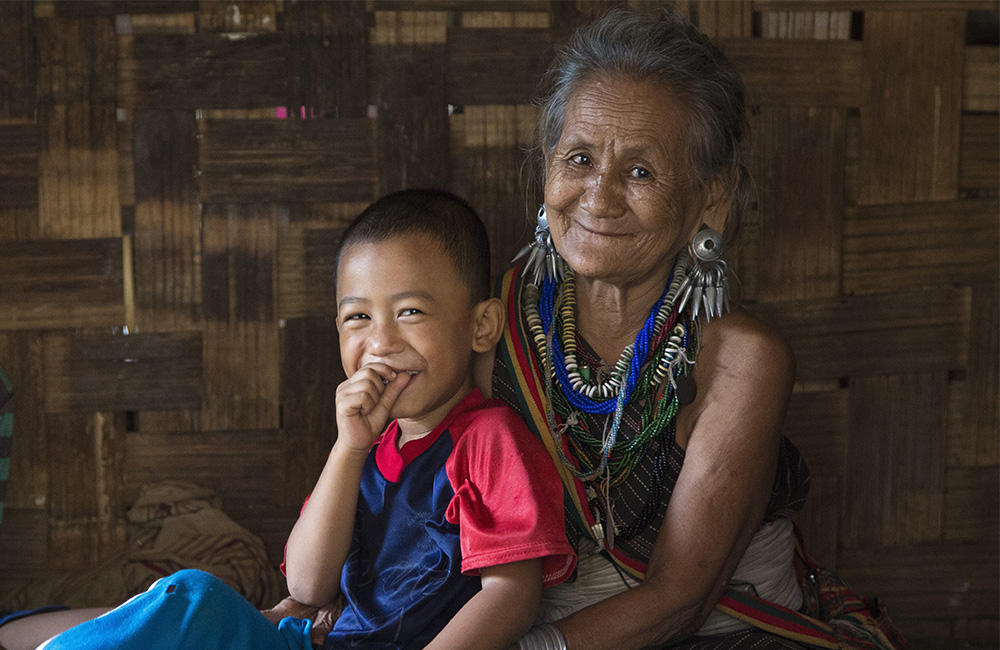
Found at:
(489, 317)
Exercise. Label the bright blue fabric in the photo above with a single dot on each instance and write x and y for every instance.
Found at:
(189, 610)
(403, 577)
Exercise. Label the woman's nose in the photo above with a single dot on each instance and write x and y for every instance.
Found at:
(604, 196)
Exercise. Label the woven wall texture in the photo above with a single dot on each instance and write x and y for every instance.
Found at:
(174, 177)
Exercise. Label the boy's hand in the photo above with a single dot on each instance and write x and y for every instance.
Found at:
(364, 402)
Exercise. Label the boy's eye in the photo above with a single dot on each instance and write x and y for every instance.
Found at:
(411, 311)
(358, 316)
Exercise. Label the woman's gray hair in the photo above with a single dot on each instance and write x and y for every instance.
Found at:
(666, 47)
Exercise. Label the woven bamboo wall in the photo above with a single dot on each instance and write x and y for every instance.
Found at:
(166, 244)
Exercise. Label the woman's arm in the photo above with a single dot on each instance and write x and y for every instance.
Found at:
(731, 433)
(497, 616)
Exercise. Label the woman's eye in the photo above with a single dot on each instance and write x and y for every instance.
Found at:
(640, 172)
(580, 159)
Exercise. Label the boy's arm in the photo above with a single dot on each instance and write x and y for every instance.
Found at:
(321, 538)
(501, 613)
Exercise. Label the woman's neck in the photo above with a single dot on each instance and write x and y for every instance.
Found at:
(610, 316)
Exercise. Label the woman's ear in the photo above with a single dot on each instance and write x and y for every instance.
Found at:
(718, 200)
(489, 319)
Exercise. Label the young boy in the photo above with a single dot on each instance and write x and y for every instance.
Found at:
(437, 530)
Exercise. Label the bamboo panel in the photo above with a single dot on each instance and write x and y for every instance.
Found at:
(981, 83)
(910, 112)
(18, 166)
(85, 508)
(242, 467)
(78, 161)
(724, 19)
(137, 372)
(819, 520)
(800, 72)
(896, 444)
(329, 53)
(323, 215)
(287, 160)
(932, 581)
(818, 25)
(817, 423)
(75, 8)
(488, 154)
(17, 52)
(412, 107)
(241, 349)
(971, 504)
(311, 372)
(28, 484)
(799, 168)
(874, 5)
(306, 267)
(463, 5)
(240, 16)
(158, 422)
(894, 247)
(983, 631)
(58, 284)
(979, 155)
(167, 244)
(190, 71)
(507, 72)
(907, 332)
(506, 19)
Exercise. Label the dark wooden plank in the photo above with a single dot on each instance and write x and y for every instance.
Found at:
(894, 489)
(77, 9)
(798, 72)
(972, 504)
(906, 245)
(311, 372)
(137, 372)
(819, 519)
(980, 413)
(930, 580)
(800, 204)
(902, 331)
(24, 543)
(78, 161)
(86, 512)
(241, 358)
(193, 71)
(732, 19)
(506, 72)
(288, 160)
(18, 165)
(819, 25)
(306, 272)
(873, 5)
(412, 106)
(167, 242)
(242, 467)
(17, 51)
(817, 422)
(981, 85)
(979, 155)
(911, 106)
(328, 60)
(59, 284)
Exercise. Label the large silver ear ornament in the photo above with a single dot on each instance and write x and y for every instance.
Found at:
(706, 285)
(543, 260)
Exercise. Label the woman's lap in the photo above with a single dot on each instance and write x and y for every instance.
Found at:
(189, 610)
(745, 640)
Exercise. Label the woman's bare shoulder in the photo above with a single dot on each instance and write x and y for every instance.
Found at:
(743, 344)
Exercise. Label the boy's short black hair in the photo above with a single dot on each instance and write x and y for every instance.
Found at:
(437, 214)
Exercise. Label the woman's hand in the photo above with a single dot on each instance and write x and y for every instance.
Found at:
(364, 402)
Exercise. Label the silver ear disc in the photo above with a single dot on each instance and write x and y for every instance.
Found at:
(707, 245)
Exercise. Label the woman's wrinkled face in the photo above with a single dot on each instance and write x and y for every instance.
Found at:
(620, 196)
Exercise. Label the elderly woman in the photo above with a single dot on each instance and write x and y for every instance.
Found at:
(662, 412)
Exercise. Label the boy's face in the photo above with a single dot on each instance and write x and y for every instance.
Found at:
(401, 302)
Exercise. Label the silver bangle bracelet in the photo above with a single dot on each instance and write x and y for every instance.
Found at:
(542, 637)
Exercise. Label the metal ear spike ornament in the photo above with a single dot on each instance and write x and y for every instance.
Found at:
(706, 285)
(543, 260)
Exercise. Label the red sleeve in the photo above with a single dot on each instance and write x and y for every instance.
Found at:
(508, 499)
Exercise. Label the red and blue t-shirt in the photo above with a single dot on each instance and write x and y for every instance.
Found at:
(478, 491)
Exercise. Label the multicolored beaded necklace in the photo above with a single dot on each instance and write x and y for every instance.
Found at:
(646, 373)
